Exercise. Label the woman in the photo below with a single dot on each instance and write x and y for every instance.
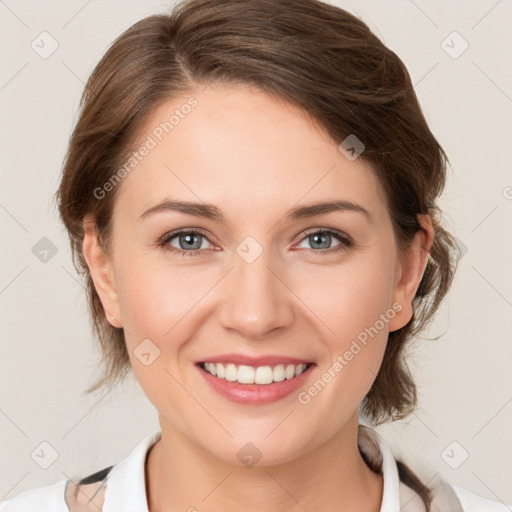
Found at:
(250, 192)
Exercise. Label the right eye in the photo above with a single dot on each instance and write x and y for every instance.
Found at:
(191, 240)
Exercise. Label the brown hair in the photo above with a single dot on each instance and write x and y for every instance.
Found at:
(316, 56)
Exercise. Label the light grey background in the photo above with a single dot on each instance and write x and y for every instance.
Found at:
(48, 352)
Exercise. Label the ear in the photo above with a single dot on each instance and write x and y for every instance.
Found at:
(102, 272)
(410, 272)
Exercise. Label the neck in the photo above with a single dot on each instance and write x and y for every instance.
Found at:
(180, 475)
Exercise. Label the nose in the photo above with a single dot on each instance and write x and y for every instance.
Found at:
(255, 298)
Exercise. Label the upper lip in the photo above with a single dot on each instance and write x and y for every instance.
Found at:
(240, 359)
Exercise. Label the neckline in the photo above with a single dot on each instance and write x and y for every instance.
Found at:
(127, 481)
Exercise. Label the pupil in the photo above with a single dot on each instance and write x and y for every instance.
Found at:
(317, 236)
(189, 239)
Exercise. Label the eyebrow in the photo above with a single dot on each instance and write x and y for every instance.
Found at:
(209, 211)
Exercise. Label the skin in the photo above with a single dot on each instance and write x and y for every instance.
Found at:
(255, 158)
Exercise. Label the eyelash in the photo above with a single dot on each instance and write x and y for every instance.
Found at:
(346, 241)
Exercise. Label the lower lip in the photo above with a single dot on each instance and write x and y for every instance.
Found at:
(255, 394)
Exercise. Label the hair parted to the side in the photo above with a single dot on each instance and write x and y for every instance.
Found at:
(316, 56)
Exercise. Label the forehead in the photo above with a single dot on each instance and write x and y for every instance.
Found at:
(241, 149)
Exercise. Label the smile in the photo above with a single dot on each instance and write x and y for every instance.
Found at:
(254, 375)
(255, 385)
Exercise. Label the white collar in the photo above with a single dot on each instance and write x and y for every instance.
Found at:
(126, 486)
(375, 447)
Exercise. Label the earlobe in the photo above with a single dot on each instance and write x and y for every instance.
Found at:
(411, 271)
(101, 271)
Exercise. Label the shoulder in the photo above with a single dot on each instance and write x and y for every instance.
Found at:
(472, 502)
(116, 487)
(41, 499)
(63, 496)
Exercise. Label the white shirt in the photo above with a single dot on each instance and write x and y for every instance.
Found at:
(122, 487)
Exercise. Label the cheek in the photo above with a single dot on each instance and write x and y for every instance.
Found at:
(161, 308)
(351, 308)
(154, 303)
(153, 297)
(350, 297)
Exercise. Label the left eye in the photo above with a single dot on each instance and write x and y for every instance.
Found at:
(187, 239)
(322, 240)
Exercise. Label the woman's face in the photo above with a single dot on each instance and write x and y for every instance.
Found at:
(272, 279)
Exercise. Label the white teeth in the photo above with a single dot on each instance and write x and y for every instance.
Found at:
(231, 373)
(290, 371)
(264, 375)
(245, 374)
(299, 369)
(211, 367)
(221, 371)
(249, 375)
(279, 373)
